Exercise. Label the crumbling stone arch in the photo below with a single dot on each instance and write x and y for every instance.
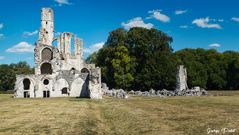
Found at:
(46, 68)
(59, 86)
(79, 87)
(47, 54)
(85, 70)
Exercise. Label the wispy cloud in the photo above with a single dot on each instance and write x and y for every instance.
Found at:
(156, 14)
(179, 12)
(93, 48)
(1, 36)
(22, 47)
(63, 2)
(205, 23)
(28, 34)
(214, 45)
(1, 25)
(184, 27)
(137, 22)
(220, 20)
(2, 57)
(235, 19)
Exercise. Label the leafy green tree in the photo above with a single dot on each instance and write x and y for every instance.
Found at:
(122, 68)
(137, 59)
(155, 63)
(92, 58)
(8, 74)
(231, 59)
(7, 77)
(114, 60)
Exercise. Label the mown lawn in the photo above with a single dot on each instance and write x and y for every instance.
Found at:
(135, 116)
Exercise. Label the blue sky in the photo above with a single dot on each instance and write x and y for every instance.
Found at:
(191, 23)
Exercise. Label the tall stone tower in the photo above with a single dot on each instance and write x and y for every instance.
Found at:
(181, 78)
(47, 26)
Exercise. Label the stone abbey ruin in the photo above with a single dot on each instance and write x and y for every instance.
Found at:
(59, 72)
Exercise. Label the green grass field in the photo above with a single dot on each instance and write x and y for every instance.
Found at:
(135, 116)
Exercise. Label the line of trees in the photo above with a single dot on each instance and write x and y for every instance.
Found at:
(8, 74)
(141, 59)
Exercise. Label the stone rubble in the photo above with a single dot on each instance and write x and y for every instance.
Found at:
(120, 93)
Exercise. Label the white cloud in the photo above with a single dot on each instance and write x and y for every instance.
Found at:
(22, 47)
(179, 12)
(63, 2)
(1, 25)
(136, 22)
(2, 57)
(158, 16)
(214, 45)
(1, 36)
(204, 23)
(235, 19)
(184, 26)
(94, 47)
(28, 34)
(217, 20)
(220, 20)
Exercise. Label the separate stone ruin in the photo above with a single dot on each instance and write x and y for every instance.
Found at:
(181, 89)
(181, 78)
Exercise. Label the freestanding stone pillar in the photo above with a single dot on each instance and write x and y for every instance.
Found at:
(181, 78)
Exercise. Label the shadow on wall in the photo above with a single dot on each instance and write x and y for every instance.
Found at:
(85, 88)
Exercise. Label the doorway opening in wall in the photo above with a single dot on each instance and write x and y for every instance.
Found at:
(26, 84)
(64, 91)
(26, 94)
(46, 94)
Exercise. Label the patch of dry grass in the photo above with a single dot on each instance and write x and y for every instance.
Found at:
(136, 115)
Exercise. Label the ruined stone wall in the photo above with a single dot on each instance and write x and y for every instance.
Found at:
(19, 86)
(95, 84)
(58, 72)
(55, 61)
